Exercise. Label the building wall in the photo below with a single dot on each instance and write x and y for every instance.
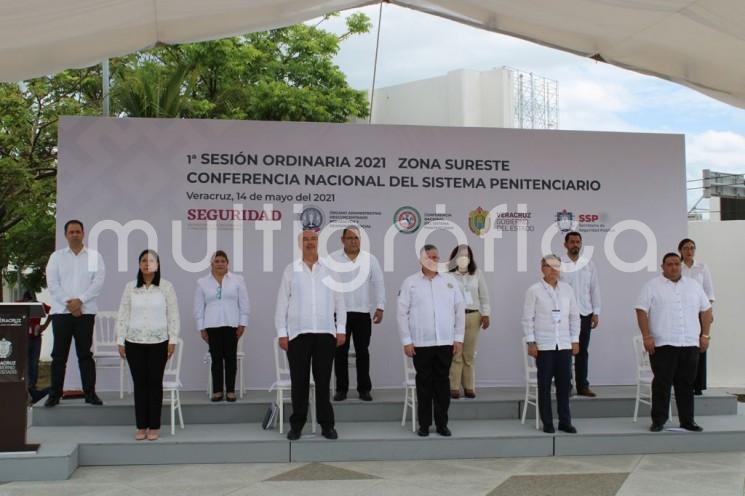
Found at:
(459, 98)
(720, 245)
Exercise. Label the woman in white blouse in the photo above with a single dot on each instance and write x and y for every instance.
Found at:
(147, 331)
(476, 296)
(221, 311)
(699, 272)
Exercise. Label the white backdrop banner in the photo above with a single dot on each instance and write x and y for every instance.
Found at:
(189, 187)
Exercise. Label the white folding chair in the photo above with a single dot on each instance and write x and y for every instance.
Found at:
(282, 383)
(240, 355)
(644, 376)
(172, 385)
(409, 391)
(105, 349)
(531, 384)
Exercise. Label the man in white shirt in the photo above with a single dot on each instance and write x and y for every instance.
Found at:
(431, 322)
(361, 273)
(75, 277)
(551, 326)
(306, 310)
(674, 315)
(581, 274)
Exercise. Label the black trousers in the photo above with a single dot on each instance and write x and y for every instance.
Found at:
(673, 366)
(581, 359)
(316, 351)
(554, 365)
(147, 363)
(359, 329)
(34, 351)
(700, 382)
(67, 327)
(223, 343)
(432, 364)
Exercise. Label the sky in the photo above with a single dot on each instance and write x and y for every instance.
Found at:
(593, 96)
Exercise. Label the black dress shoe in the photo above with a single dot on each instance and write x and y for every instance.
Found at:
(549, 429)
(36, 395)
(330, 433)
(569, 429)
(365, 396)
(656, 427)
(339, 396)
(53, 400)
(93, 399)
(293, 435)
(422, 432)
(444, 431)
(693, 427)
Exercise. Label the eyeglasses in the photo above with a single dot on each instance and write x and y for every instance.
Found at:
(219, 293)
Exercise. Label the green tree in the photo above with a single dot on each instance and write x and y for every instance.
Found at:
(29, 112)
(282, 74)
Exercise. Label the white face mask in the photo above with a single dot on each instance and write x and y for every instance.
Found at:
(463, 263)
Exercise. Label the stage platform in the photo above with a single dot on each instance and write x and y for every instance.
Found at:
(74, 434)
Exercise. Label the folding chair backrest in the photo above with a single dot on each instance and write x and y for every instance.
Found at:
(173, 366)
(409, 370)
(104, 335)
(528, 361)
(281, 366)
(640, 355)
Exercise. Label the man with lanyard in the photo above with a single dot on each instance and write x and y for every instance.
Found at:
(551, 325)
(360, 272)
(581, 274)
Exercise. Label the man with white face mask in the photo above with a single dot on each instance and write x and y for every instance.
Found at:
(476, 297)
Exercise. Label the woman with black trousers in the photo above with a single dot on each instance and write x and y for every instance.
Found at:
(147, 331)
(221, 311)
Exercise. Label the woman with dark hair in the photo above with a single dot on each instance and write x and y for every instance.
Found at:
(221, 311)
(476, 296)
(699, 272)
(147, 330)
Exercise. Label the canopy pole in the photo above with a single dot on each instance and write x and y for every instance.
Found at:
(375, 63)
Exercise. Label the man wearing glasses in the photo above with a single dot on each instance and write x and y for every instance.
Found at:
(551, 325)
(361, 275)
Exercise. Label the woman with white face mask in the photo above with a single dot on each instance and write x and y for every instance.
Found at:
(476, 296)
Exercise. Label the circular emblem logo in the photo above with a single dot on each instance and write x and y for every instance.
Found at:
(6, 348)
(312, 218)
(407, 220)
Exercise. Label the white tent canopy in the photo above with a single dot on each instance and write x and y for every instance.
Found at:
(698, 43)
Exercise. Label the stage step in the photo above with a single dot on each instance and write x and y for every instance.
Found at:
(64, 448)
(491, 404)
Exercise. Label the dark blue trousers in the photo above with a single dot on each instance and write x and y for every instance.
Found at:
(554, 365)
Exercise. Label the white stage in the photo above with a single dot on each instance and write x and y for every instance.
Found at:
(74, 434)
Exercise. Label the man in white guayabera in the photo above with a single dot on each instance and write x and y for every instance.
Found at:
(304, 318)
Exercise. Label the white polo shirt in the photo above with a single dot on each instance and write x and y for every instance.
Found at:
(672, 309)
(538, 316)
(307, 304)
(431, 312)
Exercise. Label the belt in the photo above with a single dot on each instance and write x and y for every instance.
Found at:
(471, 311)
